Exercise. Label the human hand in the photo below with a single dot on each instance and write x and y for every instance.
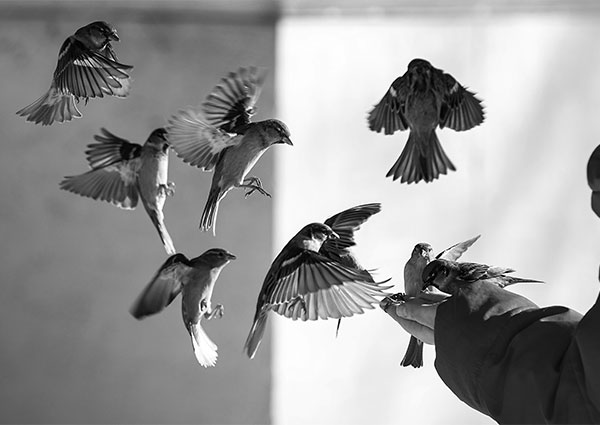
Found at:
(415, 314)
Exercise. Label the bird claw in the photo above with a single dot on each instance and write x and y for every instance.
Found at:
(254, 184)
(296, 301)
(218, 311)
(167, 189)
(390, 300)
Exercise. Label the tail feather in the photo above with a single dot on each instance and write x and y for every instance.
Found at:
(52, 106)
(158, 220)
(414, 353)
(256, 334)
(511, 280)
(209, 215)
(204, 349)
(421, 159)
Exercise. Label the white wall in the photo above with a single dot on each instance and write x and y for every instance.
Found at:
(520, 183)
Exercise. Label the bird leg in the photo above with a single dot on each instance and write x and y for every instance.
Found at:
(217, 311)
(252, 184)
(294, 302)
(167, 189)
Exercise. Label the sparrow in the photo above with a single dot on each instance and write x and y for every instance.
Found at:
(421, 100)
(195, 279)
(413, 286)
(450, 277)
(87, 67)
(123, 172)
(314, 277)
(226, 141)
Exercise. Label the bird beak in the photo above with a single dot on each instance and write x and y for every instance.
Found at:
(113, 36)
(287, 141)
(231, 256)
(334, 235)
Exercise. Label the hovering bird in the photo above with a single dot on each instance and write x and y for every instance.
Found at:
(421, 100)
(195, 279)
(122, 172)
(413, 286)
(450, 276)
(226, 141)
(87, 67)
(315, 276)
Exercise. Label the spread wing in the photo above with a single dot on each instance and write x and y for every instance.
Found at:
(461, 110)
(455, 251)
(113, 178)
(345, 224)
(163, 288)
(387, 115)
(231, 103)
(197, 142)
(310, 286)
(85, 73)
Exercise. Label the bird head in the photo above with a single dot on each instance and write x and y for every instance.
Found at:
(158, 139)
(419, 74)
(98, 34)
(313, 235)
(436, 274)
(277, 132)
(422, 250)
(217, 257)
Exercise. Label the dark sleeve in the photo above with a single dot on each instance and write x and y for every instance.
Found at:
(518, 363)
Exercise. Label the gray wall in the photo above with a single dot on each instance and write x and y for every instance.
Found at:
(70, 266)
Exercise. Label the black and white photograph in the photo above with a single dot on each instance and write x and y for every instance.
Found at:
(292, 212)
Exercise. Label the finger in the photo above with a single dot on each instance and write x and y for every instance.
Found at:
(417, 330)
(419, 311)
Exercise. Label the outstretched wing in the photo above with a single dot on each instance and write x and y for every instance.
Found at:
(110, 150)
(113, 178)
(197, 142)
(85, 73)
(455, 251)
(310, 286)
(461, 110)
(163, 288)
(387, 115)
(231, 103)
(345, 224)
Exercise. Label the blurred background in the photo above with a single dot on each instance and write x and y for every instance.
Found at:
(71, 267)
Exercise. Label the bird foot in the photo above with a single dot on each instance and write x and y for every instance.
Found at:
(295, 302)
(167, 189)
(218, 312)
(254, 184)
(390, 300)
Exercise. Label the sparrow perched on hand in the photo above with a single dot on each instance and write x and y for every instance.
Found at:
(122, 172)
(450, 276)
(315, 277)
(421, 100)
(413, 285)
(227, 141)
(87, 67)
(195, 279)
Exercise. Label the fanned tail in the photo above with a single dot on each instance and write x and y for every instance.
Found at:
(414, 353)
(421, 159)
(209, 215)
(204, 349)
(52, 106)
(256, 334)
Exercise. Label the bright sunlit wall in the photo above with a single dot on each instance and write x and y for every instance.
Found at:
(520, 182)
